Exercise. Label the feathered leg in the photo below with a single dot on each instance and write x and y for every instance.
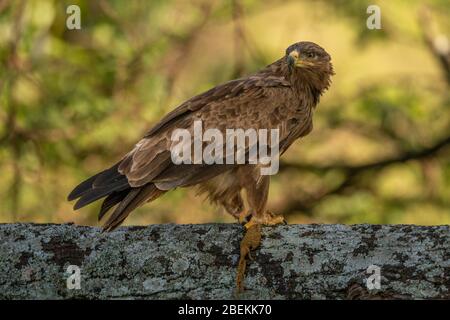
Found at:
(234, 206)
(257, 188)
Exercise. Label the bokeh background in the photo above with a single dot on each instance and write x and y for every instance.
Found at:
(72, 102)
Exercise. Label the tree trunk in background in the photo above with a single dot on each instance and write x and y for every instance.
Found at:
(199, 262)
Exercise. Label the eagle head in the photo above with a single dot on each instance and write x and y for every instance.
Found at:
(309, 62)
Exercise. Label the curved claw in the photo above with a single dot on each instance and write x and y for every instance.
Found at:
(244, 217)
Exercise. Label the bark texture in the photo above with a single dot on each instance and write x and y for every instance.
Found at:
(199, 262)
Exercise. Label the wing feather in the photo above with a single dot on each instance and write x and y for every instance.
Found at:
(243, 103)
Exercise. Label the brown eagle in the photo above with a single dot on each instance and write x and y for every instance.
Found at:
(281, 96)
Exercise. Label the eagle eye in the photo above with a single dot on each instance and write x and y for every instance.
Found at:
(310, 55)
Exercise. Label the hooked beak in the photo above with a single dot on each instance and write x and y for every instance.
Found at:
(293, 59)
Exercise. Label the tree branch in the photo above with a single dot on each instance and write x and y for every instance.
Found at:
(199, 262)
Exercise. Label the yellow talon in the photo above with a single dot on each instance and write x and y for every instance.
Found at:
(274, 221)
(250, 224)
(268, 220)
(243, 216)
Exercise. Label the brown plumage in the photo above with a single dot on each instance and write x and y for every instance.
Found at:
(283, 95)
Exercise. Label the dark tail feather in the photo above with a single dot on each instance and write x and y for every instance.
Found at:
(107, 176)
(82, 187)
(100, 192)
(88, 184)
(114, 186)
(111, 200)
(134, 198)
(98, 186)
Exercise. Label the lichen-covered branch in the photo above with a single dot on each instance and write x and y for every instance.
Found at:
(199, 261)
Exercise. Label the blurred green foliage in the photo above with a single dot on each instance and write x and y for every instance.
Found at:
(74, 101)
